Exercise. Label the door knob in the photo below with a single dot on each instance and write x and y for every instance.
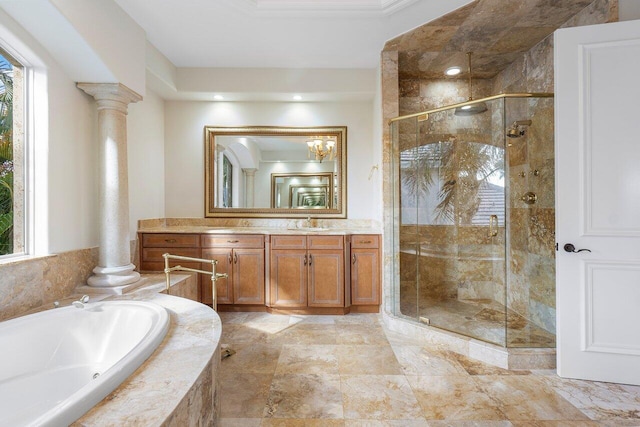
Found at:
(572, 249)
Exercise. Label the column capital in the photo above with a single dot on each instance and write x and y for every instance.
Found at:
(110, 95)
(249, 171)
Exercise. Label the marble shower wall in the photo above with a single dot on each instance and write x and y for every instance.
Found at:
(531, 247)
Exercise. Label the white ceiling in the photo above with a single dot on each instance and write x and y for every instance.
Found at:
(279, 33)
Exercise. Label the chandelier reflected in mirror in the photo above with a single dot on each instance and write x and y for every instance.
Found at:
(321, 147)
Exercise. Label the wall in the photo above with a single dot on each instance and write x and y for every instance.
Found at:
(184, 146)
(145, 143)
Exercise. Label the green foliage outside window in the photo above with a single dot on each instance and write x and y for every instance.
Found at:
(6, 157)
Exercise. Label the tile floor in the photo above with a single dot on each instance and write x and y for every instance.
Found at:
(348, 371)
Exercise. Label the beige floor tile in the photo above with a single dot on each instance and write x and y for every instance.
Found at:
(396, 338)
(386, 423)
(308, 359)
(251, 334)
(243, 395)
(367, 360)
(469, 423)
(357, 334)
(453, 397)
(475, 367)
(358, 319)
(298, 319)
(294, 422)
(379, 397)
(599, 400)
(232, 318)
(525, 398)
(309, 334)
(304, 396)
(564, 423)
(618, 423)
(253, 358)
(240, 422)
(416, 360)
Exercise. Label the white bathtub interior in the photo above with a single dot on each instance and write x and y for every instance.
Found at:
(56, 365)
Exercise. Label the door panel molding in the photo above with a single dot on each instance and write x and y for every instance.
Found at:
(604, 298)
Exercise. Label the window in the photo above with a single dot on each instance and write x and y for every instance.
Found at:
(11, 157)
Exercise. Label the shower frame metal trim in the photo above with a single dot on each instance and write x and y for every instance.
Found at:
(475, 101)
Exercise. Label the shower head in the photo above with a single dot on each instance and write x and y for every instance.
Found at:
(472, 109)
(515, 130)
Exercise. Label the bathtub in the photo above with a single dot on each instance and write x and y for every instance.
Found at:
(57, 364)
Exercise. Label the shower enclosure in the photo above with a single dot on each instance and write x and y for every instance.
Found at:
(474, 219)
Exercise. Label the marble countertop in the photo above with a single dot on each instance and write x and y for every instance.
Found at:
(258, 230)
(152, 393)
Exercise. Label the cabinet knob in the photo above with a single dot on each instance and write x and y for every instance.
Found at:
(170, 240)
(365, 242)
(354, 258)
(235, 258)
(233, 241)
(310, 258)
(305, 260)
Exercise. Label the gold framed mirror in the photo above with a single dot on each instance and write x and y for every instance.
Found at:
(275, 172)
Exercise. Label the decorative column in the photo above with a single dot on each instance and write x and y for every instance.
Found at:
(249, 186)
(114, 266)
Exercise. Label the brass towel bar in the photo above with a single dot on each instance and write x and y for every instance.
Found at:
(214, 276)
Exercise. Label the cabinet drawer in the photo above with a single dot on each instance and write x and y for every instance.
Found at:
(365, 241)
(152, 260)
(233, 241)
(289, 241)
(154, 240)
(325, 242)
(155, 254)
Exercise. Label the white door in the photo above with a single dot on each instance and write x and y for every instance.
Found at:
(597, 84)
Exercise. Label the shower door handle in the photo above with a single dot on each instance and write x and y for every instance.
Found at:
(569, 247)
(493, 225)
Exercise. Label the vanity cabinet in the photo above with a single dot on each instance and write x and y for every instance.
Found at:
(242, 258)
(307, 271)
(313, 273)
(365, 270)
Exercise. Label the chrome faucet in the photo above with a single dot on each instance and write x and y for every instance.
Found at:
(81, 302)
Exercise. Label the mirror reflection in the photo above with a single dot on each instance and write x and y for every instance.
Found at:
(268, 172)
(302, 191)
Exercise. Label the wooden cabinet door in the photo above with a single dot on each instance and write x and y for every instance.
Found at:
(224, 288)
(248, 276)
(365, 277)
(326, 278)
(288, 276)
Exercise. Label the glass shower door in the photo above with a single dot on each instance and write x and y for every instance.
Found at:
(460, 223)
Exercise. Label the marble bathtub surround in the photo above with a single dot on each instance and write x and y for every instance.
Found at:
(176, 386)
(114, 264)
(179, 384)
(283, 375)
(30, 283)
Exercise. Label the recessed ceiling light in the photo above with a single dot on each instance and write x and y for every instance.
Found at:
(452, 71)
(297, 98)
(218, 97)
